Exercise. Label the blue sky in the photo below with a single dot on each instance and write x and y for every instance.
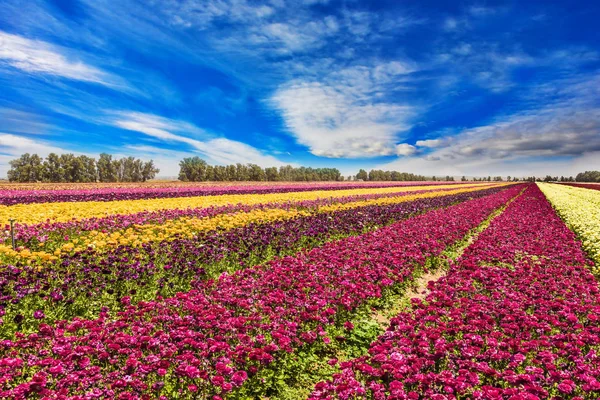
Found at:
(430, 87)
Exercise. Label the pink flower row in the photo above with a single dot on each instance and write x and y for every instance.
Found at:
(517, 317)
(11, 197)
(210, 340)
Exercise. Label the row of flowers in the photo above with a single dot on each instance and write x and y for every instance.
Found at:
(214, 338)
(517, 317)
(83, 283)
(60, 212)
(49, 243)
(25, 233)
(12, 196)
(580, 209)
(593, 186)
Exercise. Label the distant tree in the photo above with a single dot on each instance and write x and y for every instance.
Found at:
(89, 172)
(362, 175)
(256, 173)
(27, 168)
(149, 171)
(231, 173)
(192, 169)
(588, 176)
(219, 173)
(106, 168)
(71, 168)
(53, 169)
(272, 174)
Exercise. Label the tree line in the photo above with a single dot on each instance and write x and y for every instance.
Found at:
(195, 169)
(72, 168)
(588, 176)
(379, 175)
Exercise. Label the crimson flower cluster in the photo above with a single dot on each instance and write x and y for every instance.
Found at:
(517, 317)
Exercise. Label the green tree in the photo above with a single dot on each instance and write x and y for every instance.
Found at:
(362, 175)
(53, 171)
(256, 173)
(149, 171)
(27, 168)
(192, 169)
(106, 168)
(272, 174)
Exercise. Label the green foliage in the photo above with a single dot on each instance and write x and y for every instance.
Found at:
(362, 175)
(27, 168)
(195, 169)
(588, 176)
(72, 168)
(379, 175)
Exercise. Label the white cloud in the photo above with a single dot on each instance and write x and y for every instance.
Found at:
(201, 14)
(17, 145)
(293, 36)
(217, 150)
(38, 57)
(560, 137)
(430, 143)
(405, 149)
(345, 112)
(450, 24)
(335, 122)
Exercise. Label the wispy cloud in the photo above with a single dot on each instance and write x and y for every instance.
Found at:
(38, 57)
(216, 149)
(19, 121)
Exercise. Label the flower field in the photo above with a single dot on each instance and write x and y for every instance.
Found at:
(515, 317)
(11, 194)
(49, 230)
(250, 292)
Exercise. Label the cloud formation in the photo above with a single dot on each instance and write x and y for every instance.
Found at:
(38, 57)
(346, 114)
(217, 150)
(567, 128)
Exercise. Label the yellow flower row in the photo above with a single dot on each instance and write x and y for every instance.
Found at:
(580, 209)
(61, 212)
(137, 235)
